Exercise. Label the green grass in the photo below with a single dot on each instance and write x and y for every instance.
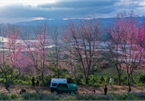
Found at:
(42, 96)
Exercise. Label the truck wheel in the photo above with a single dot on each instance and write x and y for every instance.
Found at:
(72, 92)
(55, 92)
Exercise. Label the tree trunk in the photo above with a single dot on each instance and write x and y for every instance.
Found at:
(129, 79)
(42, 77)
(86, 78)
(58, 72)
(5, 74)
(119, 79)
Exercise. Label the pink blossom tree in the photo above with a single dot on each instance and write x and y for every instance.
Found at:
(11, 52)
(22, 61)
(81, 41)
(125, 44)
(37, 51)
(15, 57)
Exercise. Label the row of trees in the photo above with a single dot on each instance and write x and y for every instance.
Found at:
(126, 45)
(81, 41)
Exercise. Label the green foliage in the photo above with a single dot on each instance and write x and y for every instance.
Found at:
(67, 96)
(115, 80)
(141, 96)
(17, 81)
(2, 80)
(123, 79)
(128, 96)
(79, 79)
(9, 96)
(92, 79)
(98, 80)
(93, 97)
(71, 80)
(106, 79)
(135, 80)
(58, 71)
(46, 81)
(38, 96)
(42, 96)
(142, 79)
(25, 77)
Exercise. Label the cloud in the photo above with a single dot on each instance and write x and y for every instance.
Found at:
(79, 4)
(126, 2)
(70, 9)
(128, 5)
(67, 8)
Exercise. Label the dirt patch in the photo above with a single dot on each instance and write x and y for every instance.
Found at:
(113, 89)
(14, 89)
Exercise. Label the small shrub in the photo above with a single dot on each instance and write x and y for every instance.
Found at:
(25, 77)
(100, 79)
(96, 84)
(93, 97)
(15, 96)
(127, 96)
(92, 80)
(37, 96)
(2, 96)
(142, 79)
(9, 96)
(106, 79)
(136, 78)
(22, 82)
(2, 80)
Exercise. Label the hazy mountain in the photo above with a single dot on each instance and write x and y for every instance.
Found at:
(29, 27)
(61, 22)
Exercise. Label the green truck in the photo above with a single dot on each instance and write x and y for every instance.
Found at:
(59, 85)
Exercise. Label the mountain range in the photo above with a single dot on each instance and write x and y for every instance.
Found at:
(61, 22)
(29, 26)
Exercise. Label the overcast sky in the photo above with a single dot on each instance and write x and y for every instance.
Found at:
(26, 10)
